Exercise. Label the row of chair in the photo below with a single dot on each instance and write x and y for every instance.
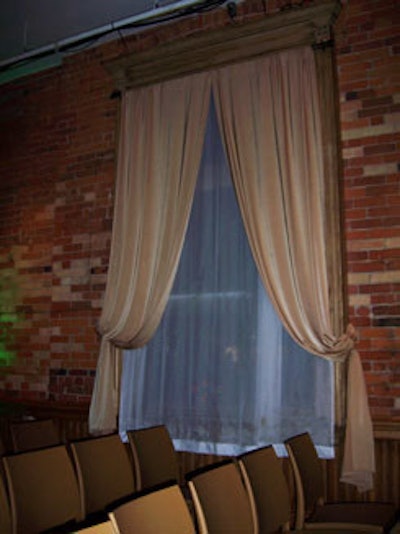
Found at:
(77, 483)
(265, 484)
(153, 452)
(248, 494)
(67, 485)
(155, 461)
(84, 483)
(252, 491)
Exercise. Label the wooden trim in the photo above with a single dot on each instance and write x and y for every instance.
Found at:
(43, 409)
(387, 430)
(236, 42)
(329, 110)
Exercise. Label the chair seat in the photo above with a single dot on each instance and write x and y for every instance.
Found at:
(368, 513)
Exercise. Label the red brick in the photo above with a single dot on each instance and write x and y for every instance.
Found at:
(379, 149)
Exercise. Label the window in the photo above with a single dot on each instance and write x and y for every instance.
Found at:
(221, 372)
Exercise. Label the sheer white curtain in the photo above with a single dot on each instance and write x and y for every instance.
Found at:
(221, 372)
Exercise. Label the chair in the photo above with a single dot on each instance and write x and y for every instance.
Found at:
(160, 510)
(264, 478)
(5, 512)
(221, 501)
(43, 489)
(313, 511)
(105, 472)
(154, 456)
(33, 434)
(2, 447)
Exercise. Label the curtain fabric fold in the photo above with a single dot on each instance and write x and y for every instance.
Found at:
(162, 133)
(269, 117)
(358, 458)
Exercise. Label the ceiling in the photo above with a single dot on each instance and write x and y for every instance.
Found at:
(28, 25)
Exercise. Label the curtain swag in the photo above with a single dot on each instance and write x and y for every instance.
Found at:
(268, 110)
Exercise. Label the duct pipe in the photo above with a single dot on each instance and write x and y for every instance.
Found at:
(145, 17)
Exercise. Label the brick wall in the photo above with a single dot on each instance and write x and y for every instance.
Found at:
(57, 160)
(368, 48)
(57, 168)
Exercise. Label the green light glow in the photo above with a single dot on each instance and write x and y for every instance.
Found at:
(6, 356)
(7, 338)
(8, 318)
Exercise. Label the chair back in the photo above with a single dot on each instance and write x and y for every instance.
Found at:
(43, 489)
(105, 472)
(34, 434)
(161, 510)
(2, 447)
(307, 470)
(264, 477)
(221, 500)
(5, 512)
(154, 456)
